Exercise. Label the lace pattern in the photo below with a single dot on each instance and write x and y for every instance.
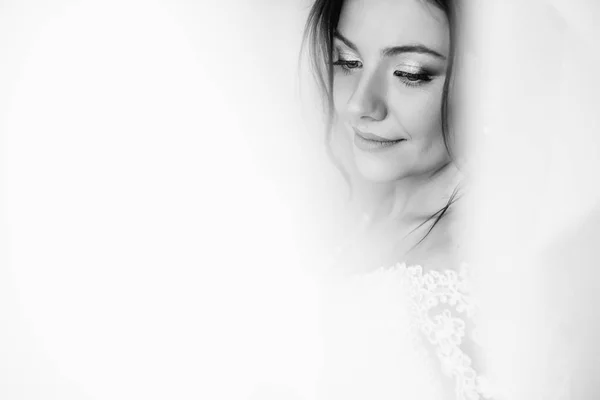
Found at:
(444, 311)
(425, 320)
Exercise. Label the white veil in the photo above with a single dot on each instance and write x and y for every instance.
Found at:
(538, 194)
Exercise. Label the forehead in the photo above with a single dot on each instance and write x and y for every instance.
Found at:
(375, 24)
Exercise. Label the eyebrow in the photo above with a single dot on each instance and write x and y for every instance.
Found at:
(395, 50)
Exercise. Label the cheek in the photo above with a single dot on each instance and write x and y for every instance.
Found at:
(420, 114)
(343, 87)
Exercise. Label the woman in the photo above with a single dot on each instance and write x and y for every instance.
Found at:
(386, 68)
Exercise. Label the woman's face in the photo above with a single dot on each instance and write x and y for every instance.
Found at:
(390, 61)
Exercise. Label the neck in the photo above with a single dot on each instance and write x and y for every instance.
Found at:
(418, 197)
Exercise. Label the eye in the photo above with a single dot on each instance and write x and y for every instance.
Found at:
(413, 79)
(347, 65)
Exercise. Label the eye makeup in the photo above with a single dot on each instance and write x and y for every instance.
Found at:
(413, 74)
(346, 61)
(409, 73)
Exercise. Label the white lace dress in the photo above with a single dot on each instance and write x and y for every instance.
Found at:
(401, 333)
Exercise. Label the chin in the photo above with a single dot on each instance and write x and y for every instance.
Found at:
(379, 171)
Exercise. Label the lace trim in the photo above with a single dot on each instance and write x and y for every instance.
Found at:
(441, 305)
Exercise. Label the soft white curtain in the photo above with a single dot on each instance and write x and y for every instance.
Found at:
(538, 194)
(153, 201)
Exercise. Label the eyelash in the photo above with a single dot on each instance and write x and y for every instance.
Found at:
(413, 80)
(407, 78)
(347, 65)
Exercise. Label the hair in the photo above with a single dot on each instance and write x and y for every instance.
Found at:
(319, 33)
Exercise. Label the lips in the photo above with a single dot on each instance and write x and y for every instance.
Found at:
(373, 137)
(373, 143)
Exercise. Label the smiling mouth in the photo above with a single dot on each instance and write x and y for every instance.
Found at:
(365, 143)
(374, 138)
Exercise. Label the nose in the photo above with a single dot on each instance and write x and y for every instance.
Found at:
(367, 102)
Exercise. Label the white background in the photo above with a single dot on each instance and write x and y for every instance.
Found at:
(156, 196)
